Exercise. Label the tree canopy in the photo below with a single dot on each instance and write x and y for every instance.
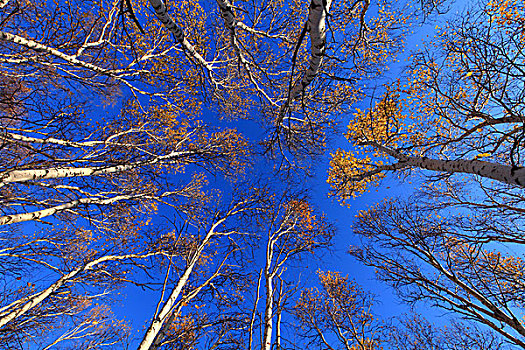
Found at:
(169, 150)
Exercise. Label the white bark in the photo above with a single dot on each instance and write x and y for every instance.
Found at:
(157, 329)
(38, 214)
(268, 314)
(31, 44)
(499, 172)
(56, 173)
(36, 299)
(274, 264)
(182, 302)
(503, 173)
(269, 274)
(231, 23)
(317, 28)
(256, 32)
(163, 16)
(157, 323)
(12, 137)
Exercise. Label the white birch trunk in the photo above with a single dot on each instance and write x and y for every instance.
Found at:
(317, 27)
(231, 23)
(157, 323)
(175, 314)
(268, 314)
(56, 173)
(31, 44)
(36, 299)
(11, 137)
(35, 215)
(499, 172)
(268, 309)
(163, 16)
(503, 173)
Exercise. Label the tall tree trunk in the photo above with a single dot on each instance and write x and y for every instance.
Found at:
(164, 314)
(503, 173)
(317, 27)
(22, 306)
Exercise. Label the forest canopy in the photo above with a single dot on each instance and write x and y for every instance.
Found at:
(160, 161)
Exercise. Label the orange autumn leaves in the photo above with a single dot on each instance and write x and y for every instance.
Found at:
(308, 230)
(339, 308)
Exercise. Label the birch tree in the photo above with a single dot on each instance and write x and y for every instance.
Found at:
(110, 117)
(76, 271)
(63, 60)
(458, 110)
(456, 119)
(208, 261)
(262, 61)
(127, 166)
(293, 229)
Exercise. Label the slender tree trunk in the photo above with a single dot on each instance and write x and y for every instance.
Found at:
(231, 23)
(163, 16)
(39, 214)
(57, 173)
(268, 309)
(31, 44)
(317, 28)
(23, 306)
(164, 314)
(503, 173)
(268, 314)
